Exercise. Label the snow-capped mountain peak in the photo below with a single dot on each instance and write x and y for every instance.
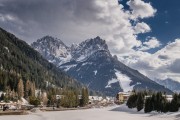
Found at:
(91, 63)
(52, 49)
(87, 48)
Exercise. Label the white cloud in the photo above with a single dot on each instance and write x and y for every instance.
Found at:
(140, 9)
(175, 66)
(150, 44)
(161, 65)
(171, 50)
(142, 28)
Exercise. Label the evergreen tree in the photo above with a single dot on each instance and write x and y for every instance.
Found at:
(159, 98)
(44, 98)
(148, 105)
(174, 104)
(85, 97)
(2, 96)
(132, 101)
(27, 88)
(77, 101)
(154, 102)
(178, 101)
(34, 101)
(140, 101)
(32, 90)
(13, 96)
(164, 105)
(20, 89)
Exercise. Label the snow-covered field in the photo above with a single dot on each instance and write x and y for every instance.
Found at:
(110, 113)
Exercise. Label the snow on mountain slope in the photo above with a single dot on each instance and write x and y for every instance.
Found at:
(91, 63)
(123, 80)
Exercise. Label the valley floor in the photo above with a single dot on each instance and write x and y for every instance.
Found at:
(109, 113)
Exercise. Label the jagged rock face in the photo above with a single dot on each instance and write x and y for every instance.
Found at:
(87, 48)
(53, 49)
(91, 63)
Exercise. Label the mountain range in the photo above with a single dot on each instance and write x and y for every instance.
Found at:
(91, 63)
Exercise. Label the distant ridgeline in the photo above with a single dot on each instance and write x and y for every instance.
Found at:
(19, 61)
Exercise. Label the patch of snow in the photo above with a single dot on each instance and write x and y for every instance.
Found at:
(81, 58)
(84, 64)
(69, 67)
(124, 108)
(138, 83)
(7, 49)
(12, 107)
(24, 101)
(111, 82)
(1, 92)
(65, 59)
(95, 72)
(52, 61)
(124, 81)
(36, 110)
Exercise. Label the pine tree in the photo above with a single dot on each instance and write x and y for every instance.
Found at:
(164, 105)
(154, 102)
(178, 101)
(85, 97)
(174, 104)
(77, 102)
(44, 98)
(132, 101)
(13, 96)
(159, 104)
(20, 89)
(34, 101)
(32, 89)
(27, 88)
(148, 105)
(2, 96)
(140, 102)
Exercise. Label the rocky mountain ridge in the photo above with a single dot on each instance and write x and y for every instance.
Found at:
(91, 63)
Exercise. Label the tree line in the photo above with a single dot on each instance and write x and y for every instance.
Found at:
(70, 97)
(153, 102)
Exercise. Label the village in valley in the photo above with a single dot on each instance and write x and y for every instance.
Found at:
(23, 104)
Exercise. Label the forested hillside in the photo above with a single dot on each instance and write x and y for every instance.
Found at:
(19, 61)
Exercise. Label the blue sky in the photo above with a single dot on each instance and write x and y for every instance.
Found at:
(165, 24)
